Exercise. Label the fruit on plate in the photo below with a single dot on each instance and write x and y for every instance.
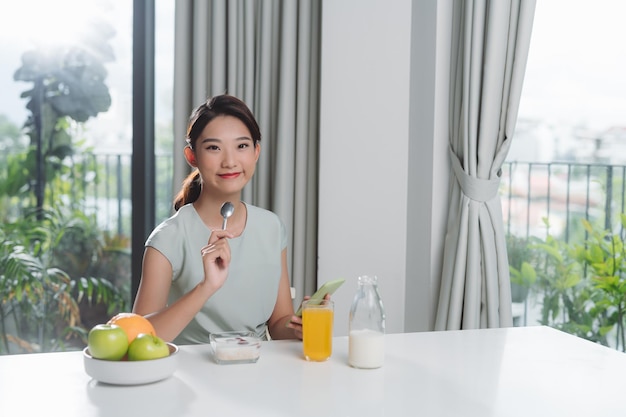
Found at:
(133, 324)
(147, 346)
(107, 341)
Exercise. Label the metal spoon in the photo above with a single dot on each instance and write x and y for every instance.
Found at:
(226, 211)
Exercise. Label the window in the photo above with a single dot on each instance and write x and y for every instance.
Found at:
(565, 175)
(83, 186)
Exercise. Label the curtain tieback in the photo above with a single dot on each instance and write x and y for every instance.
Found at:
(474, 188)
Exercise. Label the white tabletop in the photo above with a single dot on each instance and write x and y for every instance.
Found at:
(531, 371)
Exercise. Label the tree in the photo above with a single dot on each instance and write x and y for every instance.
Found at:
(68, 85)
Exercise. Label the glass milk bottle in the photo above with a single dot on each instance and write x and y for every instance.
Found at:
(366, 340)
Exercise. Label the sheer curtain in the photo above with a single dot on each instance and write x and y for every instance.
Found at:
(266, 53)
(490, 44)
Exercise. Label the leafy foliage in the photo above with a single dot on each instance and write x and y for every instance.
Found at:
(605, 256)
(68, 87)
(53, 257)
(522, 274)
(582, 286)
(39, 301)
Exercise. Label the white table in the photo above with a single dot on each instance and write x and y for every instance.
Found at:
(532, 371)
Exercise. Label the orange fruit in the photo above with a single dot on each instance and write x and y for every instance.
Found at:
(133, 324)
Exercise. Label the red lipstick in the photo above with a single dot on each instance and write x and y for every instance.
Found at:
(229, 175)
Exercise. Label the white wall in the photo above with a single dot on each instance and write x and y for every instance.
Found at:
(429, 166)
(383, 176)
(377, 156)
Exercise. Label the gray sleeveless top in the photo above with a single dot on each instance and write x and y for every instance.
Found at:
(247, 298)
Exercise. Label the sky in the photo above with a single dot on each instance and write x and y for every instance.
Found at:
(54, 23)
(21, 30)
(576, 71)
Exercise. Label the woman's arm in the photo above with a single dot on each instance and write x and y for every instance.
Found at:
(156, 279)
(283, 310)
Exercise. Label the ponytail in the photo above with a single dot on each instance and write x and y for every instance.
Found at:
(190, 190)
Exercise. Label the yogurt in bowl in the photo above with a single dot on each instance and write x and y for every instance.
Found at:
(235, 347)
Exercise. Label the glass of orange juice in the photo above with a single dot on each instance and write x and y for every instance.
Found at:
(317, 329)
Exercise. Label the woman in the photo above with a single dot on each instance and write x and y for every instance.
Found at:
(198, 279)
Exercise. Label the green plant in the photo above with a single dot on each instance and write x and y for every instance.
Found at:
(55, 263)
(39, 301)
(68, 88)
(604, 254)
(568, 300)
(522, 273)
(581, 287)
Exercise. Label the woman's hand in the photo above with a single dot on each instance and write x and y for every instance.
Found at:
(296, 325)
(296, 322)
(216, 258)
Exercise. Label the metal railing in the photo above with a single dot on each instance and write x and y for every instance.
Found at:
(563, 193)
(106, 187)
(541, 199)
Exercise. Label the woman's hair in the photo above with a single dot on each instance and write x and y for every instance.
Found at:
(223, 105)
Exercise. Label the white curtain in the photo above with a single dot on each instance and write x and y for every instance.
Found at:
(265, 52)
(489, 52)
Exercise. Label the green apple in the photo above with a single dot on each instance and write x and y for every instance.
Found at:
(107, 341)
(147, 346)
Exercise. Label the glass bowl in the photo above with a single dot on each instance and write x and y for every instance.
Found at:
(235, 347)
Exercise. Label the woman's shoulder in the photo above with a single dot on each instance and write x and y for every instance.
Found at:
(176, 221)
(263, 216)
(260, 212)
(267, 223)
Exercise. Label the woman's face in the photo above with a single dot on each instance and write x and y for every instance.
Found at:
(225, 155)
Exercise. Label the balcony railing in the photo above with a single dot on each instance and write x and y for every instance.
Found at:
(562, 192)
(565, 193)
(107, 191)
